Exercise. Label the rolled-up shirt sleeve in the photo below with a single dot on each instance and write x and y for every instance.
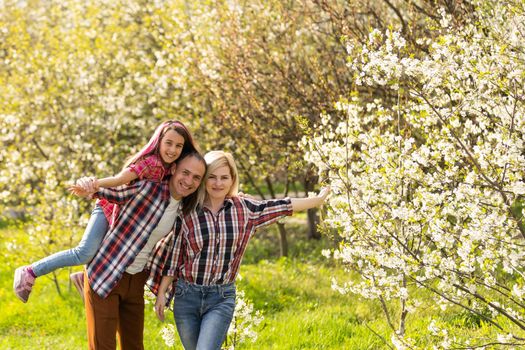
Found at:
(119, 195)
(265, 212)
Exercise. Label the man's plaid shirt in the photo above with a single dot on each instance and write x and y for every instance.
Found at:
(150, 168)
(142, 205)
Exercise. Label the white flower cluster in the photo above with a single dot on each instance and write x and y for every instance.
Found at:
(245, 321)
(425, 190)
(168, 334)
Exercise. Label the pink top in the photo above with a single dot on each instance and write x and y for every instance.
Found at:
(150, 168)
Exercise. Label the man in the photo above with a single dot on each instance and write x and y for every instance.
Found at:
(115, 278)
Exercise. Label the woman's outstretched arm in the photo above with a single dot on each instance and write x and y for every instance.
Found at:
(299, 204)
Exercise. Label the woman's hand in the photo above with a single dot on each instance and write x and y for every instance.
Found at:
(299, 204)
(159, 306)
(325, 191)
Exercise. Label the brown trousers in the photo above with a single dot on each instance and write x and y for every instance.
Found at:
(122, 312)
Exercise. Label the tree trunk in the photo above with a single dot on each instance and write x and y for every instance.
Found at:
(309, 183)
(57, 285)
(313, 220)
(283, 240)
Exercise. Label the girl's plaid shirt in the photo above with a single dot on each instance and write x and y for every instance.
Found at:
(142, 204)
(150, 168)
(209, 248)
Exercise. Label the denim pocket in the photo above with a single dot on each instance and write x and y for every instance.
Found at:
(180, 290)
(228, 292)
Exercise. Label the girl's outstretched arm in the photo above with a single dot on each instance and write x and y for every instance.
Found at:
(299, 204)
(86, 186)
(122, 178)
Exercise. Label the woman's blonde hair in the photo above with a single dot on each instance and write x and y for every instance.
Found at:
(217, 159)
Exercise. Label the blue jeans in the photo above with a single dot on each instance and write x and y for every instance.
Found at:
(81, 254)
(203, 314)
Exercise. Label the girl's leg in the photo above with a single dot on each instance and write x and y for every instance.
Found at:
(83, 253)
(96, 229)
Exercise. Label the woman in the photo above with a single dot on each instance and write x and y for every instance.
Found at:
(208, 252)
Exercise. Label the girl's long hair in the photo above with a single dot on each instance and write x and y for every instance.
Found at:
(153, 145)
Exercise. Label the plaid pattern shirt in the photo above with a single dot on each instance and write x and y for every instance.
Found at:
(210, 247)
(150, 168)
(142, 205)
(160, 259)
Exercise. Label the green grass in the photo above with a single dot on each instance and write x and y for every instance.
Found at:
(48, 320)
(300, 309)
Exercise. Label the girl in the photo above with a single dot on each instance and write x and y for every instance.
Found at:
(207, 253)
(153, 162)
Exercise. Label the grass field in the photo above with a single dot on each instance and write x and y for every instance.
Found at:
(300, 312)
(300, 309)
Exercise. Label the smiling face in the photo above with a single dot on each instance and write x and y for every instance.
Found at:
(219, 183)
(171, 146)
(187, 177)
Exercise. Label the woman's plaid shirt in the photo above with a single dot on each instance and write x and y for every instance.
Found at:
(210, 247)
(142, 204)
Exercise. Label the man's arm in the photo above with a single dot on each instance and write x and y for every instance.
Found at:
(87, 187)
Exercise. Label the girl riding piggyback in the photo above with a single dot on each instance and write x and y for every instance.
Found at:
(153, 162)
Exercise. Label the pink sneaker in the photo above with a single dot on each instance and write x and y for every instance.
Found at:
(23, 283)
(78, 281)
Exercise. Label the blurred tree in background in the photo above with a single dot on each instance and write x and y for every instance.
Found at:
(86, 82)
